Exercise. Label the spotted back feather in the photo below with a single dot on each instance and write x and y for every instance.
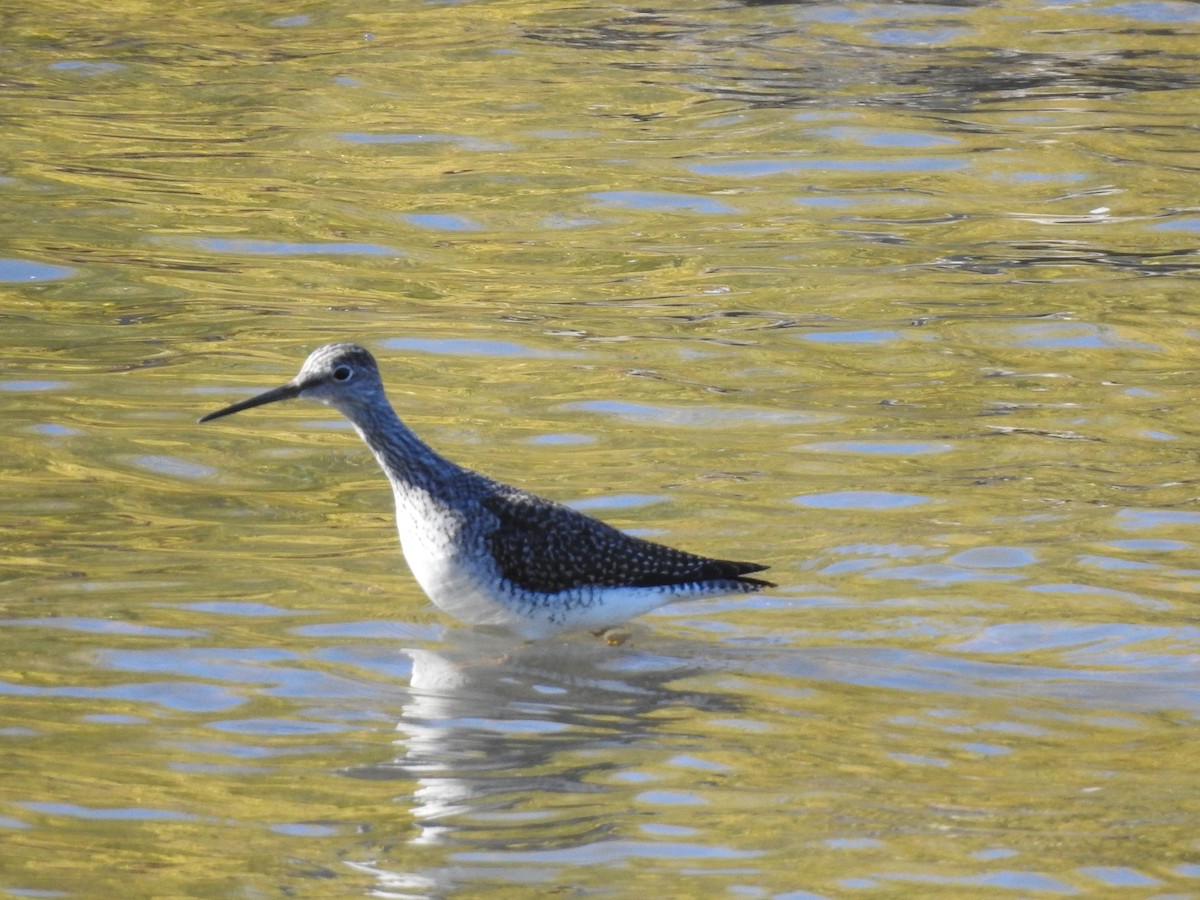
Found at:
(543, 546)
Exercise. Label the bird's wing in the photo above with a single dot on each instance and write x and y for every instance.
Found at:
(544, 546)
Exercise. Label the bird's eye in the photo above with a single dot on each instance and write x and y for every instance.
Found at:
(342, 373)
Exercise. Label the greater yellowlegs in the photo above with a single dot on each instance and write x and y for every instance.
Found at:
(491, 554)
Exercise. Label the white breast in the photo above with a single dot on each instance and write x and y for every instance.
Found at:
(450, 578)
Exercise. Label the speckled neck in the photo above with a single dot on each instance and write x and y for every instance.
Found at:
(408, 462)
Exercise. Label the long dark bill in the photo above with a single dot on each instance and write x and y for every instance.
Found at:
(287, 391)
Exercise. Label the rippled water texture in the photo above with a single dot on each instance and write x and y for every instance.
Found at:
(900, 299)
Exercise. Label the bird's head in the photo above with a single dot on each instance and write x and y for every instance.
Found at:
(342, 375)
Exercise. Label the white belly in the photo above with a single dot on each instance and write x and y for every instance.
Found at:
(454, 582)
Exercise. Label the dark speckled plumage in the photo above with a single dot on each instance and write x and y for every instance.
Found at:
(546, 547)
(493, 554)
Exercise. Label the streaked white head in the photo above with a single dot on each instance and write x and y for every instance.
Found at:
(342, 375)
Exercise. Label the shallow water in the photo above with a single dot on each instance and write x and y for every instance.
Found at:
(898, 299)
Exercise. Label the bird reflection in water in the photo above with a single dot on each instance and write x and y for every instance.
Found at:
(490, 727)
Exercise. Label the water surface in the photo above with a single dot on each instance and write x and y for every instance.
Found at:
(898, 299)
